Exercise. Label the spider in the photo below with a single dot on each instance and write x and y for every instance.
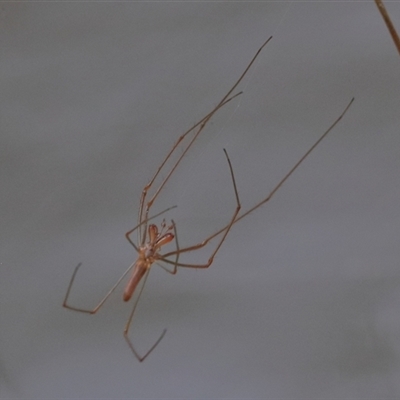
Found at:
(152, 239)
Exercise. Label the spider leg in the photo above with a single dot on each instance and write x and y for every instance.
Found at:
(100, 304)
(129, 322)
(202, 123)
(275, 189)
(202, 244)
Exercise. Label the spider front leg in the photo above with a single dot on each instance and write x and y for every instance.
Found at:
(205, 241)
(200, 126)
(196, 129)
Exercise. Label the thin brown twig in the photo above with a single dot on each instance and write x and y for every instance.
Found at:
(389, 24)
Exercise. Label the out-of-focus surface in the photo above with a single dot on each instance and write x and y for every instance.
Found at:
(302, 301)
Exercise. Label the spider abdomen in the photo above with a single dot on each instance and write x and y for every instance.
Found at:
(138, 272)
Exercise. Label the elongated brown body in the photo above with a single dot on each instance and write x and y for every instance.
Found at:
(148, 254)
(138, 272)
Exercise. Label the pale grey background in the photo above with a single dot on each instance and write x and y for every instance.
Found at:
(303, 300)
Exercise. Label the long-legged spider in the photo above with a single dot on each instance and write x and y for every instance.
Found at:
(149, 248)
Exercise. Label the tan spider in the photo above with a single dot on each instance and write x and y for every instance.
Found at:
(151, 238)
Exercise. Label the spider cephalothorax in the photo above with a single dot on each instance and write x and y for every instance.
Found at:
(148, 255)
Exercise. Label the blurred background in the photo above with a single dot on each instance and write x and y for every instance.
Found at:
(303, 299)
